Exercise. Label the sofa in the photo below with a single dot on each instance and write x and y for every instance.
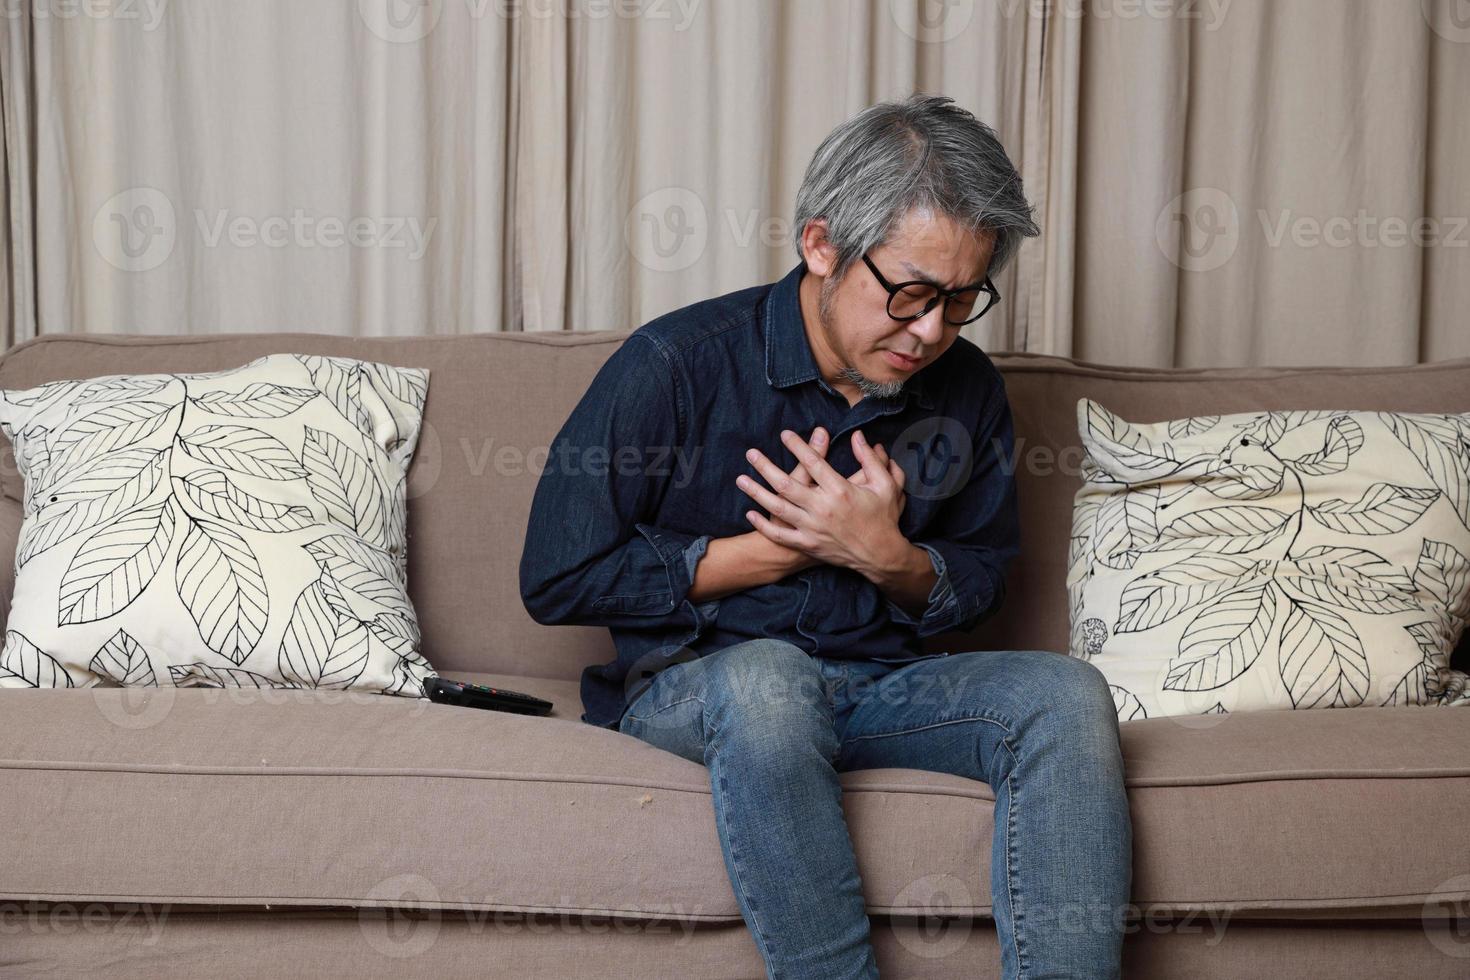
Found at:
(232, 833)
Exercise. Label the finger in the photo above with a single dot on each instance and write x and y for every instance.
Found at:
(775, 504)
(821, 471)
(778, 480)
(897, 473)
(819, 443)
(777, 533)
(877, 472)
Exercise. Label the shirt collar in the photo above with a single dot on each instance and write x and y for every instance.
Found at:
(789, 359)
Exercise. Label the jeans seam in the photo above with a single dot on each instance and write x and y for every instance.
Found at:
(1010, 863)
(937, 724)
(663, 708)
(1010, 816)
(760, 933)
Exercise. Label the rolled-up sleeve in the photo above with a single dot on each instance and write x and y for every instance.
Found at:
(941, 601)
(592, 555)
(976, 534)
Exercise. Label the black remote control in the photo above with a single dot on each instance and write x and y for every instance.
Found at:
(445, 691)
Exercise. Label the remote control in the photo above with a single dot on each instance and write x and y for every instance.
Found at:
(445, 691)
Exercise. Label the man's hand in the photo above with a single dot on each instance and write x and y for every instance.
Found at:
(846, 521)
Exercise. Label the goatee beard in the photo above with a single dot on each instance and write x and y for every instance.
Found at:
(865, 384)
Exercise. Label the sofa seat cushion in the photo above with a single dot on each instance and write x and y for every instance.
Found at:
(318, 798)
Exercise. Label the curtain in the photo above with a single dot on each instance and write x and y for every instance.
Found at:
(1273, 182)
(660, 159)
(420, 166)
(220, 166)
(391, 166)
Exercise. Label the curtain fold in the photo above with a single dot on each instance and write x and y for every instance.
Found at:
(667, 150)
(17, 191)
(1255, 178)
(1219, 182)
(217, 166)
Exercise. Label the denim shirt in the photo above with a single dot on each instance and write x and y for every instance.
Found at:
(641, 477)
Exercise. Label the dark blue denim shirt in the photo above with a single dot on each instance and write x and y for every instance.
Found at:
(642, 475)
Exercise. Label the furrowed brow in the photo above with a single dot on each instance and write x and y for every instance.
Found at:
(918, 273)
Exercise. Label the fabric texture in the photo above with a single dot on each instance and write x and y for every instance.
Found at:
(237, 528)
(1298, 559)
(276, 767)
(1198, 168)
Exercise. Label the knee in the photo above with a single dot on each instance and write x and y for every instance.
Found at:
(768, 692)
(1078, 690)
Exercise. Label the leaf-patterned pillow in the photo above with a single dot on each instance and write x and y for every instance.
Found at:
(1272, 560)
(241, 528)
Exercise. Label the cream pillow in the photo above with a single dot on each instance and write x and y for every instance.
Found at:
(1303, 559)
(239, 528)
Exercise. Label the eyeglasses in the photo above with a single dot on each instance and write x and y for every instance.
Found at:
(916, 297)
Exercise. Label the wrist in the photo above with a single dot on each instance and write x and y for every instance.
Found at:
(893, 558)
(788, 561)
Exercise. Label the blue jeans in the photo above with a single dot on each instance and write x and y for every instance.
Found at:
(775, 725)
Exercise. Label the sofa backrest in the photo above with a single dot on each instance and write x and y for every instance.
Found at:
(496, 400)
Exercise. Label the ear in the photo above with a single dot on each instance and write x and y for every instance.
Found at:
(817, 249)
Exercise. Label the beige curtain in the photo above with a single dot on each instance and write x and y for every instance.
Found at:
(213, 165)
(505, 167)
(660, 159)
(1256, 178)
(420, 166)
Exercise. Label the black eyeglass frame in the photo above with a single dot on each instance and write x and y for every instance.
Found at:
(941, 295)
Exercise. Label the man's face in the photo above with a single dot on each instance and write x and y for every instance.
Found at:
(859, 334)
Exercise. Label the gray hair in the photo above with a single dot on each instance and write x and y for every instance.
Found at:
(925, 151)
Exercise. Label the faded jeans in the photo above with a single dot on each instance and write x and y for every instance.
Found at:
(775, 725)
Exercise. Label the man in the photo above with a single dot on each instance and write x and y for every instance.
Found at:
(781, 648)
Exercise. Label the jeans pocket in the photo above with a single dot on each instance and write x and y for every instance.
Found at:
(676, 727)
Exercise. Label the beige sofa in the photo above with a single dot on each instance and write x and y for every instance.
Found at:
(228, 833)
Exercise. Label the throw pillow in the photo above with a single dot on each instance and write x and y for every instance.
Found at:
(240, 528)
(1271, 560)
